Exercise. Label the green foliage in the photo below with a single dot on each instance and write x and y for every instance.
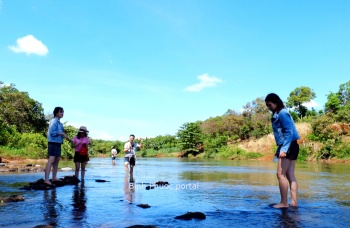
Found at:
(235, 153)
(256, 120)
(159, 142)
(304, 152)
(298, 97)
(18, 109)
(294, 116)
(212, 145)
(344, 93)
(100, 146)
(322, 130)
(341, 151)
(159, 153)
(343, 114)
(333, 103)
(191, 137)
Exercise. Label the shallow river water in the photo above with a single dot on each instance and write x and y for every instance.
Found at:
(229, 193)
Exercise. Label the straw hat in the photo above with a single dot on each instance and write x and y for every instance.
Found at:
(83, 129)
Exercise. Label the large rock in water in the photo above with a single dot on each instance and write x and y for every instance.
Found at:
(191, 215)
(41, 185)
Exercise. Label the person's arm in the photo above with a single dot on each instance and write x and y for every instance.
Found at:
(127, 146)
(287, 129)
(75, 141)
(139, 143)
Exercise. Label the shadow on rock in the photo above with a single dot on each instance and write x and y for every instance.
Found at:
(191, 215)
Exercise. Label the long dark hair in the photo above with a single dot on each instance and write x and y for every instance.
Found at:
(274, 98)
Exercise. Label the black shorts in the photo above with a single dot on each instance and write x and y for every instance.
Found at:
(80, 158)
(130, 160)
(293, 151)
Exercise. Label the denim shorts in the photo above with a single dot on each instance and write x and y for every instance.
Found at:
(130, 160)
(54, 149)
(293, 151)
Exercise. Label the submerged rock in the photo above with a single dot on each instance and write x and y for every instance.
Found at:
(141, 226)
(144, 205)
(156, 184)
(13, 198)
(191, 215)
(99, 180)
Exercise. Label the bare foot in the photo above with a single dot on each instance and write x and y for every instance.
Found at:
(281, 205)
(293, 205)
(55, 180)
(47, 182)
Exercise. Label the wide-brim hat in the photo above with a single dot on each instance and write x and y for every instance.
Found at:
(83, 129)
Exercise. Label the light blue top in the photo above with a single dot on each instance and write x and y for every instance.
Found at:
(284, 129)
(55, 127)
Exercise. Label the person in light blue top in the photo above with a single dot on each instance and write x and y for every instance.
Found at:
(55, 136)
(286, 136)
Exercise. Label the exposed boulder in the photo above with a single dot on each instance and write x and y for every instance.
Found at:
(12, 198)
(191, 215)
(41, 185)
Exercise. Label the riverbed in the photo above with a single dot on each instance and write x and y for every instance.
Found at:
(229, 193)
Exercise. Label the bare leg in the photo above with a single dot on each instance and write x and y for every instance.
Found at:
(126, 164)
(50, 161)
(55, 168)
(283, 166)
(293, 184)
(77, 168)
(83, 164)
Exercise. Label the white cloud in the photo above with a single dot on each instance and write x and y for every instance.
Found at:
(311, 104)
(204, 81)
(29, 45)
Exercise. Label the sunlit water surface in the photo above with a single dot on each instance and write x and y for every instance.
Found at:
(229, 193)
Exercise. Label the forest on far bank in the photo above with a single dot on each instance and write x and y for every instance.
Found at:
(23, 128)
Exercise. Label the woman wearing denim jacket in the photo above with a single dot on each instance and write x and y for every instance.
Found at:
(55, 136)
(286, 136)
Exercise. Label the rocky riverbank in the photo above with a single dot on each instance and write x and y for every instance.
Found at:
(22, 165)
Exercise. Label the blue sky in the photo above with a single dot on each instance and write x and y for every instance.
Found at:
(147, 67)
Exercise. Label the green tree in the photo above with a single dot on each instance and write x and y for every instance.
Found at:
(333, 103)
(298, 97)
(344, 93)
(18, 109)
(256, 119)
(191, 137)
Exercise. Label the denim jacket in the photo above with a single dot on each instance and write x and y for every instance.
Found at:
(55, 127)
(284, 129)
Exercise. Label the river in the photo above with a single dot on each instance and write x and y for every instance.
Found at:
(229, 193)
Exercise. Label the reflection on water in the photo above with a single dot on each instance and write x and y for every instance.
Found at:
(129, 188)
(79, 201)
(50, 207)
(229, 193)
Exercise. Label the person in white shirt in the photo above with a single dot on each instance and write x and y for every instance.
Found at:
(130, 148)
(114, 153)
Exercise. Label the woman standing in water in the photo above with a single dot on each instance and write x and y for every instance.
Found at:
(286, 136)
(55, 138)
(81, 157)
